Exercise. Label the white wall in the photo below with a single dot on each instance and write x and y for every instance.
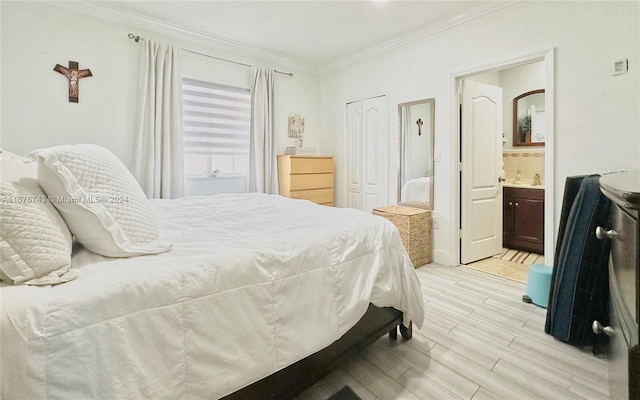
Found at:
(514, 82)
(35, 112)
(597, 115)
(35, 109)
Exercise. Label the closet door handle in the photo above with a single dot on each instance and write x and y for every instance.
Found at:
(602, 233)
(511, 203)
(516, 204)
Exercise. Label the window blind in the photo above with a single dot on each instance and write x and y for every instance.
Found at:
(216, 117)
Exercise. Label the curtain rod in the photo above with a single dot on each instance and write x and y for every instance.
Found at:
(137, 38)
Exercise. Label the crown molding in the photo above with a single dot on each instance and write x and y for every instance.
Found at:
(242, 51)
(404, 40)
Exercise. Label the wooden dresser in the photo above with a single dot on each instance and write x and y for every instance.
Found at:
(306, 177)
(624, 369)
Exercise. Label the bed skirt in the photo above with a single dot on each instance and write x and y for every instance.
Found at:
(293, 380)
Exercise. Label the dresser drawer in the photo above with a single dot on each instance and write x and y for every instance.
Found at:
(320, 196)
(300, 165)
(623, 188)
(623, 259)
(623, 365)
(311, 181)
(306, 177)
(619, 356)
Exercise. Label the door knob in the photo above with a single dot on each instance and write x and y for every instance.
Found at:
(602, 233)
(501, 179)
(598, 329)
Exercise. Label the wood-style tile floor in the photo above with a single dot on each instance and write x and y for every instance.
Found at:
(479, 341)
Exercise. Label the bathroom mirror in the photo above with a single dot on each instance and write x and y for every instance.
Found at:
(415, 173)
(529, 121)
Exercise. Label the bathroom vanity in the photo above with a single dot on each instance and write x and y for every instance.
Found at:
(624, 371)
(523, 218)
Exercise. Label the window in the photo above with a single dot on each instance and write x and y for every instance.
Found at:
(216, 126)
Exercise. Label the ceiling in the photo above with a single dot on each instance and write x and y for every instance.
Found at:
(314, 32)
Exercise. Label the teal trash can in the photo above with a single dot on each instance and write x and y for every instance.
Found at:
(539, 284)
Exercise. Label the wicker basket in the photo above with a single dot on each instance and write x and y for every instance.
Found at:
(414, 225)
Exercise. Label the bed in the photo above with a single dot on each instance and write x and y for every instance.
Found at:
(416, 190)
(247, 292)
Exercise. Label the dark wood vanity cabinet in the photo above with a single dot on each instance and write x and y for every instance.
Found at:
(624, 232)
(523, 219)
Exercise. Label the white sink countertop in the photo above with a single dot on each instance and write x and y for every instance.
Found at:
(523, 185)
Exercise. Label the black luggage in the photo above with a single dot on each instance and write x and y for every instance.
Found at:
(580, 281)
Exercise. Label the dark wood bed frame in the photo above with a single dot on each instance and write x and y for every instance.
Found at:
(293, 380)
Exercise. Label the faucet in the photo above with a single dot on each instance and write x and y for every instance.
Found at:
(536, 179)
(518, 178)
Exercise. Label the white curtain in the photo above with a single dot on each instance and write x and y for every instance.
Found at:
(406, 171)
(158, 162)
(263, 174)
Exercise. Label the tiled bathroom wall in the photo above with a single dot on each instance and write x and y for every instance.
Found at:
(529, 162)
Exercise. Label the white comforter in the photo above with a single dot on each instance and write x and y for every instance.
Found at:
(416, 190)
(254, 283)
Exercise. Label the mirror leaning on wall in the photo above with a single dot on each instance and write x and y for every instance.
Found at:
(415, 172)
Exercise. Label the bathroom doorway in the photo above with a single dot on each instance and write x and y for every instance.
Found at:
(535, 71)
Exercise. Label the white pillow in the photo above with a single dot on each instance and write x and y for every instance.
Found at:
(35, 243)
(99, 199)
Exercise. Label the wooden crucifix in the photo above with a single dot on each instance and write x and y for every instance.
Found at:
(419, 123)
(74, 75)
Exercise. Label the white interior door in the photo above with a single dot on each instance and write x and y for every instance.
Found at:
(481, 191)
(354, 160)
(367, 153)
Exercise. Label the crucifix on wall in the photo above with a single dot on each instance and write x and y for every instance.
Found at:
(74, 75)
(419, 123)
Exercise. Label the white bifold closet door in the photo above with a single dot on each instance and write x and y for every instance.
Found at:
(367, 153)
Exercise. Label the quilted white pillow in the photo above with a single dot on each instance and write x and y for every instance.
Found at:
(35, 243)
(100, 200)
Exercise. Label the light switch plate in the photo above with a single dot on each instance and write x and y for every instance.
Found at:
(619, 66)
